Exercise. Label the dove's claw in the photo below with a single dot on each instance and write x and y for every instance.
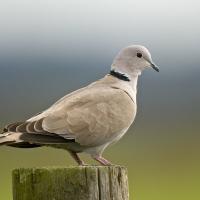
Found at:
(102, 160)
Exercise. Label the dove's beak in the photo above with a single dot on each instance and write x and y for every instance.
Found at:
(155, 67)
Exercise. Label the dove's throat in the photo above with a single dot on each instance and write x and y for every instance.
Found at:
(133, 83)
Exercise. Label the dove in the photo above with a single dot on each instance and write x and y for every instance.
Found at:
(91, 118)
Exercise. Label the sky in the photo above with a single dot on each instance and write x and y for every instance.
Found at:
(77, 29)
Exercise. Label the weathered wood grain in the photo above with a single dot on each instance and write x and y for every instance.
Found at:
(71, 183)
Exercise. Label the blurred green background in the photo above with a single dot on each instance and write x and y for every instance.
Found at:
(49, 48)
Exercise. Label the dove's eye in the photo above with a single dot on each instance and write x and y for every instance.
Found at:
(139, 55)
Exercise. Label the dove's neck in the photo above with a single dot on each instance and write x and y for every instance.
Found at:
(132, 77)
(133, 83)
(127, 83)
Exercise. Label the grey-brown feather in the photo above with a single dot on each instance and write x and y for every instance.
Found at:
(29, 135)
(43, 139)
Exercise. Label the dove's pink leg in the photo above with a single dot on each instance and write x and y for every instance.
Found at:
(102, 160)
(77, 158)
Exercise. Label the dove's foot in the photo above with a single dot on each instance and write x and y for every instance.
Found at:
(102, 160)
(77, 158)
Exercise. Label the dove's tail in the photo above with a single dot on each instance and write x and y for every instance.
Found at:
(28, 140)
(13, 139)
(9, 138)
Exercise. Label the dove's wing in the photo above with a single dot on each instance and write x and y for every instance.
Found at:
(92, 116)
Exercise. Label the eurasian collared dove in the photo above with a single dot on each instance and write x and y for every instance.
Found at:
(89, 119)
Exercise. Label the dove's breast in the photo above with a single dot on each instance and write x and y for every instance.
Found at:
(106, 120)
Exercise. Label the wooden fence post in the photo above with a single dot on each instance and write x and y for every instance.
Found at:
(71, 183)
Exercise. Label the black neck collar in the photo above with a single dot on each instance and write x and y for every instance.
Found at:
(119, 75)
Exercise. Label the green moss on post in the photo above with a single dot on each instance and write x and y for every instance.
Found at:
(71, 183)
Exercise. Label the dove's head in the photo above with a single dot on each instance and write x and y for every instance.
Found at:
(132, 60)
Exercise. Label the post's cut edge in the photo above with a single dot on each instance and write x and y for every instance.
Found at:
(16, 170)
(92, 182)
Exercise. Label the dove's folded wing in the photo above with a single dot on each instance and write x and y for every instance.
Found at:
(91, 116)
